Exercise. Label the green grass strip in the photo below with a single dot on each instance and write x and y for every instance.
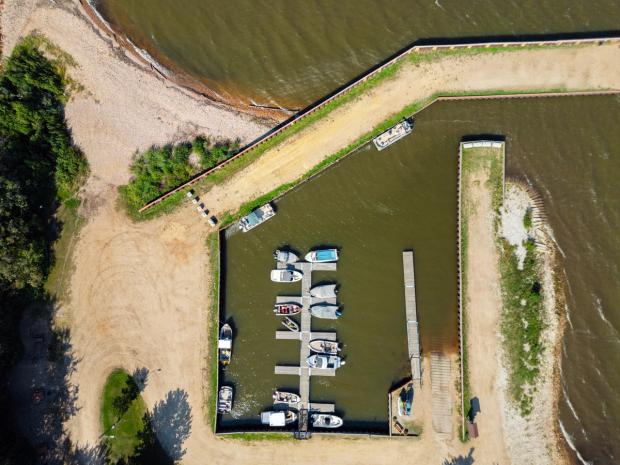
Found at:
(213, 246)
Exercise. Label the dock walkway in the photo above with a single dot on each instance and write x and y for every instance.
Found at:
(413, 334)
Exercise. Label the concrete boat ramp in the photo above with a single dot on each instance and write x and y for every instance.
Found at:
(305, 335)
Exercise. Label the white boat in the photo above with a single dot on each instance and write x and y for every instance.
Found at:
(323, 346)
(285, 276)
(256, 217)
(224, 344)
(394, 134)
(326, 291)
(283, 397)
(322, 256)
(325, 361)
(325, 420)
(284, 256)
(290, 324)
(286, 309)
(327, 312)
(278, 418)
(225, 400)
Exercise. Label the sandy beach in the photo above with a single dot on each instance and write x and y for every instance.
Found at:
(139, 291)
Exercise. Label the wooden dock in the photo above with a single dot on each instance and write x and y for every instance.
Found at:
(305, 335)
(413, 334)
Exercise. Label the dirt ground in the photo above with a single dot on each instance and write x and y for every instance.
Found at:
(139, 291)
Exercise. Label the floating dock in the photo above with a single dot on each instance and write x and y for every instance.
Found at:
(413, 334)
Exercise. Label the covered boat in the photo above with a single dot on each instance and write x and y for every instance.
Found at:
(285, 276)
(287, 309)
(405, 400)
(324, 361)
(256, 217)
(328, 312)
(322, 255)
(224, 344)
(225, 399)
(283, 397)
(325, 420)
(323, 346)
(326, 291)
(278, 418)
(285, 256)
(290, 324)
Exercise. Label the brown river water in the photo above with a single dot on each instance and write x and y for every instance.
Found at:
(373, 205)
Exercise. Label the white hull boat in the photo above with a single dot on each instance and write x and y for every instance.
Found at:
(326, 291)
(225, 400)
(322, 256)
(224, 345)
(323, 361)
(283, 397)
(284, 256)
(327, 312)
(324, 420)
(323, 346)
(285, 276)
(278, 418)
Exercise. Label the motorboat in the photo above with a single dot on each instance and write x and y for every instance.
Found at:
(283, 397)
(285, 276)
(290, 324)
(325, 291)
(328, 312)
(225, 400)
(405, 400)
(323, 346)
(256, 217)
(322, 256)
(285, 256)
(286, 309)
(277, 418)
(324, 361)
(224, 344)
(394, 134)
(325, 420)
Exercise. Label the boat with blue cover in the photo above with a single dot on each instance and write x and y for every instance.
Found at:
(256, 217)
(322, 256)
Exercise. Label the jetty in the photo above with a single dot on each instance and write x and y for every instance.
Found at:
(305, 335)
(413, 334)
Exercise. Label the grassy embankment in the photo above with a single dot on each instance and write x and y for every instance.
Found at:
(473, 160)
(213, 245)
(121, 429)
(388, 72)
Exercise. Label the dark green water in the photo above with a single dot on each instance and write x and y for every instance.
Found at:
(293, 52)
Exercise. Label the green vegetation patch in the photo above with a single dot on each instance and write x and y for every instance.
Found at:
(260, 436)
(122, 413)
(213, 245)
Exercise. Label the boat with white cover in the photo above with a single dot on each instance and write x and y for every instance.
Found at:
(325, 291)
(285, 256)
(394, 134)
(324, 361)
(283, 397)
(323, 346)
(278, 418)
(322, 256)
(225, 400)
(285, 276)
(327, 312)
(325, 420)
(224, 345)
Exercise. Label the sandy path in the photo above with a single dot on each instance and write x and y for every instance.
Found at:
(482, 309)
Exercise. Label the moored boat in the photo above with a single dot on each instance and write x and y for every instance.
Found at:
(322, 256)
(285, 256)
(323, 346)
(290, 324)
(285, 276)
(225, 400)
(224, 344)
(325, 291)
(256, 217)
(325, 420)
(394, 134)
(405, 400)
(286, 309)
(328, 312)
(283, 397)
(278, 418)
(324, 361)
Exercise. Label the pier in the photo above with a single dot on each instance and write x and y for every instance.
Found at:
(305, 335)
(413, 334)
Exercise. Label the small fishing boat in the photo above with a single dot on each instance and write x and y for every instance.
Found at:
(290, 324)
(225, 400)
(284, 256)
(283, 397)
(405, 400)
(224, 344)
(278, 418)
(323, 346)
(256, 217)
(286, 309)
(324, 361)
(325, 420)
(328, 312)
(326, 291)
(285, 276)
(322, 256)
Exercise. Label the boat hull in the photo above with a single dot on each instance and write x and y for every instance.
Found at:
(322, 346)
(286, 309)
(322, 420)
(285, 276)
(322, 256)
(327, 312)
